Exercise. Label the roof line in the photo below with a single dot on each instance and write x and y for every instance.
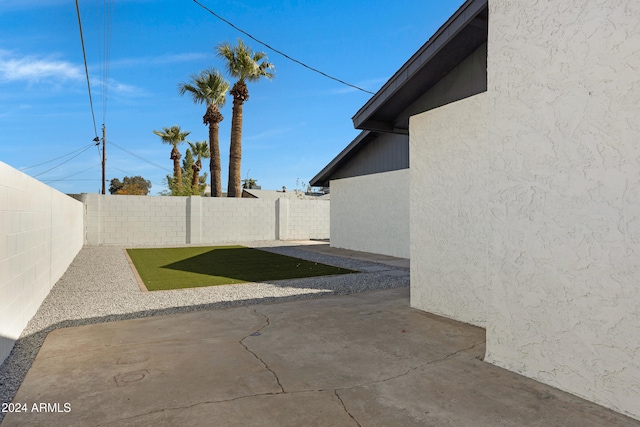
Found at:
(328, 169)
(466, 13)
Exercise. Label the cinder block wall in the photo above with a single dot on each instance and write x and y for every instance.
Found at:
(308, 219)
(144, 220)
(131, 220)
(231, 219)
(40, 234)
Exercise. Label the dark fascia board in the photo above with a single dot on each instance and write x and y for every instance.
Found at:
(366, 118)
(323, 177)
(247, 194)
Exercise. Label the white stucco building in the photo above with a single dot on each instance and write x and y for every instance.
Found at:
(523, 126)
(370, 194)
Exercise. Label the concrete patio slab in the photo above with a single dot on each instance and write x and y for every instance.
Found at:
(365, 359)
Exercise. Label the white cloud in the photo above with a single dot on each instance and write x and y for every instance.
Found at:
(124, 89)
(10, 5)
(158, 60)
(34, 69)
(181, 57)
(6, 5)
(272, 133)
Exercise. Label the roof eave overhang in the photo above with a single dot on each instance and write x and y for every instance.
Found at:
(378, 113)
(323, 177)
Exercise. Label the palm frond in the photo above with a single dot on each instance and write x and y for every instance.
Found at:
(244, 64)
(200, 149)
(208, 86)
(173, 135)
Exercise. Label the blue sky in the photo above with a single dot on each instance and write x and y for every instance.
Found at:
(293, 125)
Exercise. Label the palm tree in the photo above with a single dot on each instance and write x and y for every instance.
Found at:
(210, 86)
(174, 136)
(246, 66)
(200, 150)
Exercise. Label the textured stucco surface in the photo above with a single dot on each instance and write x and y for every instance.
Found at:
(370, 213)
(448, 149)
(145, 220)
(40, 234)
(564, 85)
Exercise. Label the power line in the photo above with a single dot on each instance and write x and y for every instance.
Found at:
(107, 31)
(122, 170)
(86, 71)
(280, 52)
(73, 180)
(60, 164)
(74, 174)
(139, 157)
(49, 161)
(105, 56)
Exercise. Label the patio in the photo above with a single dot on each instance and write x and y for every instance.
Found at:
(256, 354)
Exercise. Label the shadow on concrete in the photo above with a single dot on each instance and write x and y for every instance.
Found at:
(364, 359)
(15, 367)
(371, 277)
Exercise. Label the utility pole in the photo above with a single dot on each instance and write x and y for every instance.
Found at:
(104, 157)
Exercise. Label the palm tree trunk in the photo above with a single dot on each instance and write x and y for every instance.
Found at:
(240, 95)
(214, 165)
(195, 181)
(235, 151)
(177, 170)
(212, 117)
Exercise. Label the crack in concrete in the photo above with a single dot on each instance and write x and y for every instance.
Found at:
(345, 408)
(193, 405)
(442, 359)
(282, 391)
(268, 323)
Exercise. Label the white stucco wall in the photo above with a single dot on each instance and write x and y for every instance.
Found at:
(448, 152)
(564, 85)
(40, 234)
(370, 213)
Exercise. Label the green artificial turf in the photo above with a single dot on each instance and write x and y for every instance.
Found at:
(191, 267)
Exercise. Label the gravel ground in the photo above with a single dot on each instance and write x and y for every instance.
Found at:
(99, 286)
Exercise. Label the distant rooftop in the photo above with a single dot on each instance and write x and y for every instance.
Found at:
(276, 194)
